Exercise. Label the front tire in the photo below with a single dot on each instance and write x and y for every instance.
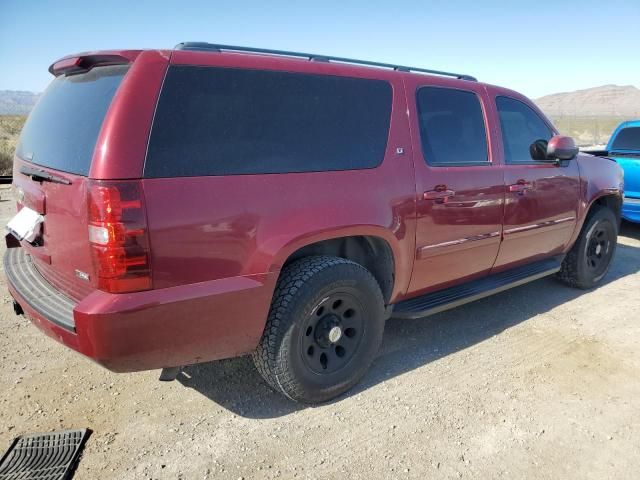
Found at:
(324, 329)
(589, 259)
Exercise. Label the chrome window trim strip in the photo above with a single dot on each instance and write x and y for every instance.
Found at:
(539, 225)
(459, 241)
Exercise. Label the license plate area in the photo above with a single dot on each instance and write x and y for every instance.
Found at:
(26, 224)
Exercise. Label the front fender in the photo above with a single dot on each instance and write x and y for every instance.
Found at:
(599, 177)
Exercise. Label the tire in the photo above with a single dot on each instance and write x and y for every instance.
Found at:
(589, 259)
(324, 329)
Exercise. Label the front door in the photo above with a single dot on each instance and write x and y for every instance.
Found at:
(542, 198)
(460, 190)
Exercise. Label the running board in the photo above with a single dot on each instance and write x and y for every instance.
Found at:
(441, 300)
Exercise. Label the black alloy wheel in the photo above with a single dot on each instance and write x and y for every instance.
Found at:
(332, 333)
(324, 328)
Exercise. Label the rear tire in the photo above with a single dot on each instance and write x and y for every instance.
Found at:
(324, 329)
(589, 259)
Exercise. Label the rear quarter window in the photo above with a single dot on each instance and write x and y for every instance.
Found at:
(225, 121)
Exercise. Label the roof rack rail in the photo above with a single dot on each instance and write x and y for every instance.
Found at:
(214, 47)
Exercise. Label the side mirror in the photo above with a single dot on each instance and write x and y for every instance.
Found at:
(561, 148)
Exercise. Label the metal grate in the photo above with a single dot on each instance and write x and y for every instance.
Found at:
(45, 456)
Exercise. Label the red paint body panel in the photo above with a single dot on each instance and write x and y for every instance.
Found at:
(540, 221)
(219, 242)
(599, 177)
(165, 327)
(122, 143)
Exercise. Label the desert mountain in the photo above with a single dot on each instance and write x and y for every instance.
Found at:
(14, 102)
(607, 100)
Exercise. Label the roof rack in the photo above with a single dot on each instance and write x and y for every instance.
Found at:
(214, 47)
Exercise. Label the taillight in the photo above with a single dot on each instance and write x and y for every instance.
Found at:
(118, 236)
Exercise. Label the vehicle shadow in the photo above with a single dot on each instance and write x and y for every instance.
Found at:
(408, 344)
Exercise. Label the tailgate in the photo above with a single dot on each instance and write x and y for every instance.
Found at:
(61, 253)
(52, 162)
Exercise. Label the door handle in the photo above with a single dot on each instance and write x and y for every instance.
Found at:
(520, 187)
(440, 194)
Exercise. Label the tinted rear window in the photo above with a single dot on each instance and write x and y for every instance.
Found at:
(223, 121)
(627, 139)
(62, 130)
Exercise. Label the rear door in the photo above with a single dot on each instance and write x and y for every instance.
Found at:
(53, 159)
(459, 187)
(542, 198)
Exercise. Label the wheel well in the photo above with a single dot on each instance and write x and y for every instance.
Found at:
(613, 202)
(373, 253)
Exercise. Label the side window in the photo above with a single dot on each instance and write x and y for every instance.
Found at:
(521, 127)
(451, 127)
(627, 139)
(232, 121)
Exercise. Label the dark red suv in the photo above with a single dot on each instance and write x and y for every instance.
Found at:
(181, 206)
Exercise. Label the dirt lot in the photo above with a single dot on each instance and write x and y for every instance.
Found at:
(539, 382)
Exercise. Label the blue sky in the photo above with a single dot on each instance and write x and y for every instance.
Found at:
(536, 47)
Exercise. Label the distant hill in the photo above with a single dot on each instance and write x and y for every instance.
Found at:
(16, 102)
(607, 100)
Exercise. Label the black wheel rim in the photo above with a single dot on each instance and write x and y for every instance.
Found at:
(599, 248)
(331, 335)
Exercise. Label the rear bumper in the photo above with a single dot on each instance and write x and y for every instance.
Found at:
(147, 330)
(631, 209)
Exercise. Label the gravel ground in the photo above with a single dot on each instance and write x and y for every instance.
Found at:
(538, 382)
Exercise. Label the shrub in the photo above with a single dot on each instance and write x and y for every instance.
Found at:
(10, 127)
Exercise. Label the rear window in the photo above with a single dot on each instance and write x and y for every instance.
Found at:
(62, 130)
(627, 139)
(224, 121)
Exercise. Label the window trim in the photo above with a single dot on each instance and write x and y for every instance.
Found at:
(551, 128)
(487, 162)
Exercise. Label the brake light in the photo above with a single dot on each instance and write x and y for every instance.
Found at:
(84, 63)
(118, 236)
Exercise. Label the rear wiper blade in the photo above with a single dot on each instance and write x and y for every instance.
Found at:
(42, 176)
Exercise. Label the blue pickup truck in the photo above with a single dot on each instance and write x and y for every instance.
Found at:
(624, 147)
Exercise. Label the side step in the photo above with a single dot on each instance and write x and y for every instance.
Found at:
(441, 300)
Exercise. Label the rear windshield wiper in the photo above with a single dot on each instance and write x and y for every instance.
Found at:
(42, 176)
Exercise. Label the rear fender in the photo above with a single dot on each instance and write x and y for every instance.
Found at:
(400, 255)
